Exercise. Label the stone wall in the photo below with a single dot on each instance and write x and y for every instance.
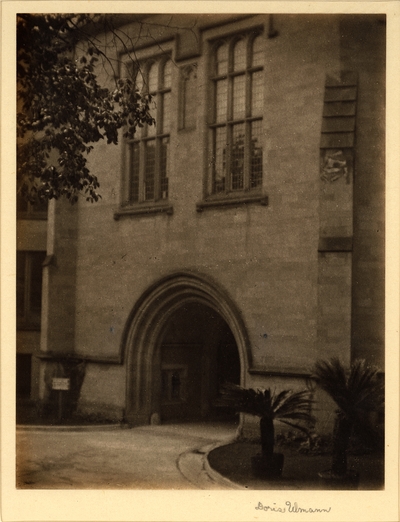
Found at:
(265, 257)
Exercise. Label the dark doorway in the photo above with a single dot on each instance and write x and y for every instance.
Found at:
(198, 353)
(23, 375)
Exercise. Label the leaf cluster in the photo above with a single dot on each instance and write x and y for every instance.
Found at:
(355, 391)
(285, 406)
(63, 107)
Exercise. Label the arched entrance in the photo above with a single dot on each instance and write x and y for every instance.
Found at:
(178, 339)
(197, 354)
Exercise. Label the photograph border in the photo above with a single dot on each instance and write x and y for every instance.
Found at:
(141, 505)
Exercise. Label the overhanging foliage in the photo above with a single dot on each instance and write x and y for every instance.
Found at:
(63, 109)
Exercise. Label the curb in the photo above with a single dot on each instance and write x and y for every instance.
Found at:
(213, 474)
(194, 466)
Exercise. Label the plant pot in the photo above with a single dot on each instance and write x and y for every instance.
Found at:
(349, 480)
(267, 467)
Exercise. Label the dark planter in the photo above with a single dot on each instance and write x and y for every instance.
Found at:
(349, 480)
(267, 467)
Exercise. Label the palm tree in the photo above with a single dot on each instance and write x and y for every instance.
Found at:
(286, 407)
(356, 392)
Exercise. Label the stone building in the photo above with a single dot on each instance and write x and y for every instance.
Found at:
(239, 239)
(31, 253)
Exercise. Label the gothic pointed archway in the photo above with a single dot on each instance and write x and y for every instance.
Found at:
(148, 333)
(196, 355)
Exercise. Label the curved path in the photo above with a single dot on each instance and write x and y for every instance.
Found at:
(169, 456)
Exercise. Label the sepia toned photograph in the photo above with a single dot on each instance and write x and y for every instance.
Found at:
(200, 254)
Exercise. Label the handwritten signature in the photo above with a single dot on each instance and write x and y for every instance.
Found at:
(291, 508)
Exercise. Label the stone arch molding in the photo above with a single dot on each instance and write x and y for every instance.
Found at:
(149, 318)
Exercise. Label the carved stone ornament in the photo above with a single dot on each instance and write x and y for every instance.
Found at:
(334, 165)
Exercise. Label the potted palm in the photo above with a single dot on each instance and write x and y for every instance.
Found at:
(287, 407)
(356, 392)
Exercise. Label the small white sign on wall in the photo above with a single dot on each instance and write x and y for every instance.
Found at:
(60, 383)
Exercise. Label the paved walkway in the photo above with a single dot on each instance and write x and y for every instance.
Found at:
(173, 457)
(148, 457)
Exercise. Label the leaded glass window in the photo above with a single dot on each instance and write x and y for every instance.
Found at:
(148, 152)
(236, 132)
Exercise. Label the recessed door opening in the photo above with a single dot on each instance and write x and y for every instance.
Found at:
(198, 353)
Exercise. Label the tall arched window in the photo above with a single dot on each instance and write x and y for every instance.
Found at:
(236, 162)
(149, 150)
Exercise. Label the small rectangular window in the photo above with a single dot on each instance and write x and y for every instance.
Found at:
(29, 288)
(27, 210)
(173, 384)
